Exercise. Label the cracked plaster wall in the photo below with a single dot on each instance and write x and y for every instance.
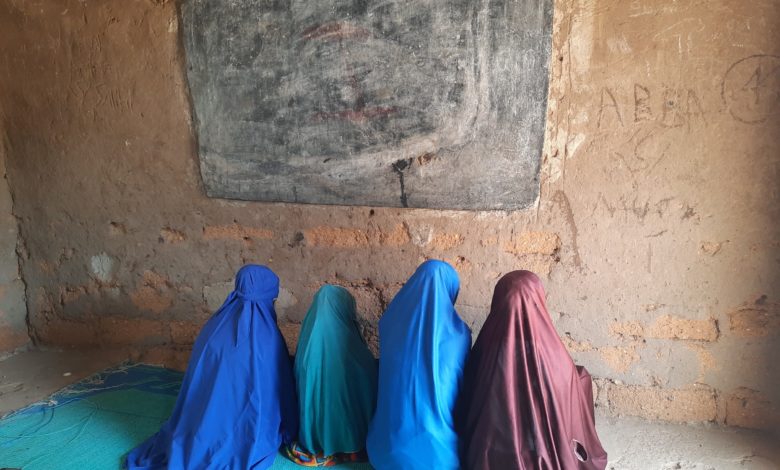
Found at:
(655, 232)
(13, 307)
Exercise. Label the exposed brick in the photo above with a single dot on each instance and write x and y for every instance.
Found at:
(344, 237)
(697, 403)
(619, 358)
(155, 280)
(667, 327)
(751, 409)
(446, 241)
(338, 237)
(672, 327)
(631, 329)
(396, 237)
(236, 232)
(169, 235)
(755, 321)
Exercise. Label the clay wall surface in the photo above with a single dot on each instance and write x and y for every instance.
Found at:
(13, 306)
(655, 231)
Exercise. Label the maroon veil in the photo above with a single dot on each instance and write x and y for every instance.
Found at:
(524, 403)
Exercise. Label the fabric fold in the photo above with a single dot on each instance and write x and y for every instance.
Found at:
(423, 348)
(525, 404)
(237, 402)
(336, 376)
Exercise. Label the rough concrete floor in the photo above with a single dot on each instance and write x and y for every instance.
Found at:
(632, 444)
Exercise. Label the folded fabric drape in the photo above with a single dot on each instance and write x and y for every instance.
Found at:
(423, 347)
(336, 376)
(524, 404)
(237, 402)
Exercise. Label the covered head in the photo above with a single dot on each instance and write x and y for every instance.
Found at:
(423, 347)
(437, 273)
(524, 402)
(516, 289)
(335, 301)
(256, 282)
(239, 377)
(335, 374)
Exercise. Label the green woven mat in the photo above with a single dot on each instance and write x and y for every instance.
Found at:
(94, 423)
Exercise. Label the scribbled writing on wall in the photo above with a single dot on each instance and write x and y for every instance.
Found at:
(751, 88)
(667, 106)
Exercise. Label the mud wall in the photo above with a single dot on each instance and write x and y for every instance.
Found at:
(655, 231)
(13, 307)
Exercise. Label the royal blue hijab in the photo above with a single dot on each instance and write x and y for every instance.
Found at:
(335, 374)
(237, 401)
(422, 350)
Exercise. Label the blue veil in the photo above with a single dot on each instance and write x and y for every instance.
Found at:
(237, 401)
(422, 350)
(335, 374)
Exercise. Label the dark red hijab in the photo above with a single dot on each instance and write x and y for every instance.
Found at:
(524, 404)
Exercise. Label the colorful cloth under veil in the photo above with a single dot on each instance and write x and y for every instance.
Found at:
(336, 376)
(422, 350)
(237, 402)
(524, 404)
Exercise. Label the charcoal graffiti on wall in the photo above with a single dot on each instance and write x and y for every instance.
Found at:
(425, 103)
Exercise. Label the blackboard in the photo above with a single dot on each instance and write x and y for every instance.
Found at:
(426, 103)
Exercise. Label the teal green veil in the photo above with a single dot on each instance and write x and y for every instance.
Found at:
(336, 376)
